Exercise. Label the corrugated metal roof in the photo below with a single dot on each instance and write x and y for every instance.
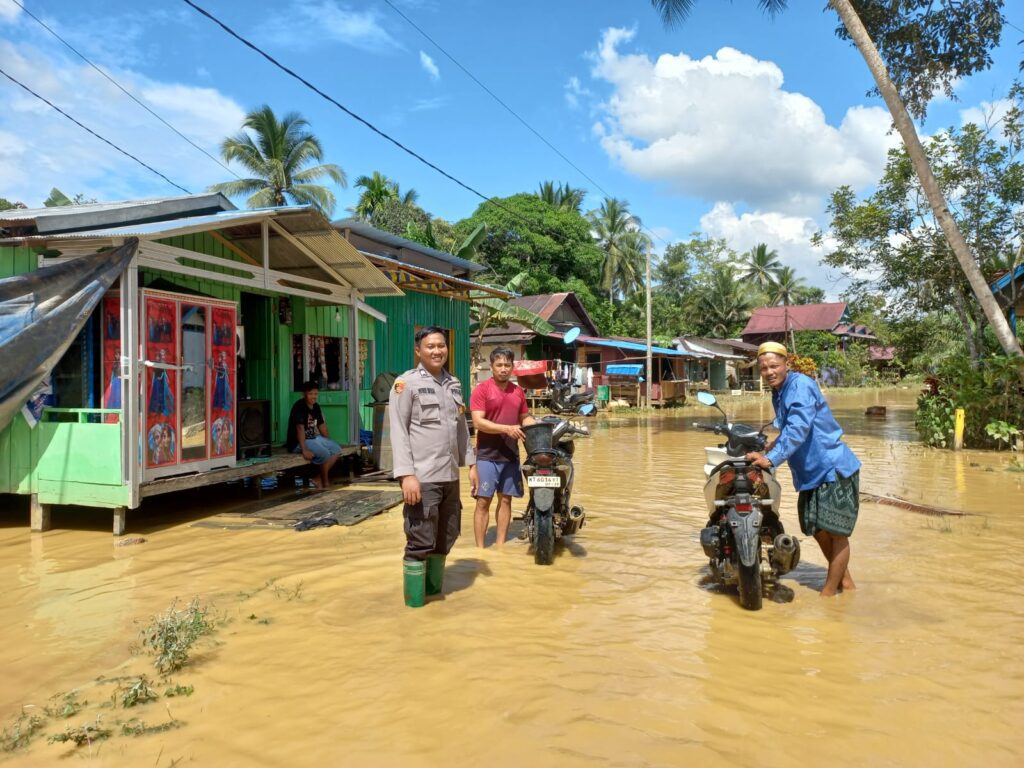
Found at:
(798, 317)
(29, 214)
(461, 281)
(1004, 281)
(363, 229)
(630, 345)
(159, 229)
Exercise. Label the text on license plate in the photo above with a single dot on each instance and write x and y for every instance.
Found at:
(544, 481)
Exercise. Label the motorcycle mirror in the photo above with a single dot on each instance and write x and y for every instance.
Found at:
(706, 398)
(588, 409)
(571, 335)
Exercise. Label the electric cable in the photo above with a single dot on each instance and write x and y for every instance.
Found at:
(124, 90)
(90, 131)
(509, 109)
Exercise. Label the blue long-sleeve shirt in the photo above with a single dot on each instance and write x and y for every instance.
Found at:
(810, 438)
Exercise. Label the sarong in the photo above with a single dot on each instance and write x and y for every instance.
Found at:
(830, 507)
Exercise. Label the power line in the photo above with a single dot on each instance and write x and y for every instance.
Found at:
(123, 90)
(90, 131)
(507, 108)
(252, 46)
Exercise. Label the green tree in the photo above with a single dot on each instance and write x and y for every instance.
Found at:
(786, 287)
(761, 266)
(612, 227)
(722, 306)
(58, 198)
(277, 154)
(491, 312)
(379, 190)
(927, 49)
(894, 236)
(562, 196)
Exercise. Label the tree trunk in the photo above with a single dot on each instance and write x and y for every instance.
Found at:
(965, 321)
(901, 119)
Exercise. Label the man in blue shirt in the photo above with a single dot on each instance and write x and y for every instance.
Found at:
(824, 469)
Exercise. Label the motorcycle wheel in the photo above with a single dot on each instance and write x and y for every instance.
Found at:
(750, 586)
(544, 540)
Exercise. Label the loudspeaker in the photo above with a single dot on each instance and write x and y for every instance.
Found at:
(253, 428)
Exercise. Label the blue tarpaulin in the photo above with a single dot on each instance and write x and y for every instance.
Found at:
(624, 369)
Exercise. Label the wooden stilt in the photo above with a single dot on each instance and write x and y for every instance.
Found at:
(40, 514)
(120, 517)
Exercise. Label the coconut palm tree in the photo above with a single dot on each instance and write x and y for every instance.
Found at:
(491, 312)
(378, 190)
(673, 11)
(278, 154)
(786, 287)
(611, 223)
(760, 266)
(563, 196)
(724, 304)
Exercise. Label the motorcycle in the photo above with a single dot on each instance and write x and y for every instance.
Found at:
(549, 473)
(744, 539)
(563, 401)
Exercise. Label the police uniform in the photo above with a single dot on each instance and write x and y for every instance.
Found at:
(430, 439)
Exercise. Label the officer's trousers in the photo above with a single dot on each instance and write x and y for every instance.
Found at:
(433, 525)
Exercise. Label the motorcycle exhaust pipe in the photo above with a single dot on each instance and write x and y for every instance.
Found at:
(785, 552)
(577, 519)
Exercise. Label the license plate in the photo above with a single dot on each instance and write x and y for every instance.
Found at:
(544, 481)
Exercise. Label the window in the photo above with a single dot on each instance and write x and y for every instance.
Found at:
(320, 359)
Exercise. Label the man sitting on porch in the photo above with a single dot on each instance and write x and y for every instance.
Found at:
(307, 434)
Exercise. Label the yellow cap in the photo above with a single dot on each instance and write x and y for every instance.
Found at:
(773, 347)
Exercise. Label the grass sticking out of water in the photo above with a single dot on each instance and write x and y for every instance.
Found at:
(19, 733)
(178, 690)
(170, 636)
(64, 706)
(136, 727)
(137, 691)
(86, 733)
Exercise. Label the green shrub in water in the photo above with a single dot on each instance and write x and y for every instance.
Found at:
(170, 636)
(19, 733)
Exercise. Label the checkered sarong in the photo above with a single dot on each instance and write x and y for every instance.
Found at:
(830, 507)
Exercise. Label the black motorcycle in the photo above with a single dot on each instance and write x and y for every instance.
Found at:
(744, 538)
(549, 473)
(562, 400)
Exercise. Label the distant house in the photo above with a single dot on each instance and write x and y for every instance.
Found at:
(562, 310)
(722, 363)
(775, 323)
(1009, 291)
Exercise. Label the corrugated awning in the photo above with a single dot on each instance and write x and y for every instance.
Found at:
(415, 278)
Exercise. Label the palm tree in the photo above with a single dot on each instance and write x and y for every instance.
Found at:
(492, 312)
(673, 11)
(611, 223)
(761, 266)
(378, 190)
(724, 303)
(786, 288)
(563, 196)
(277, 153)
(629, 269)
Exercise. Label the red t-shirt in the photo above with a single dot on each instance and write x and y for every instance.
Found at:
(501, 407)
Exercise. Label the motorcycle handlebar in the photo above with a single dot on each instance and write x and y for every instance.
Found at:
(706, 427)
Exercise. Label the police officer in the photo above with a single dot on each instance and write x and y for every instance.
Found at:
(429, 441)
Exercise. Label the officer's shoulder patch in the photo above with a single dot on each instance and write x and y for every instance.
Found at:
(399, 386)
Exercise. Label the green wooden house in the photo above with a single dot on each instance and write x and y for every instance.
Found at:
(225, 313)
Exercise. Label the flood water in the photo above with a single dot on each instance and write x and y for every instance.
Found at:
(616, 655)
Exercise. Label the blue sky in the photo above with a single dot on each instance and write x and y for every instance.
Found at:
(734, 125)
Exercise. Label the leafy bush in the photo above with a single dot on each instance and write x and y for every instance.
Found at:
(803, 364)
(170, 636)
(990, 393)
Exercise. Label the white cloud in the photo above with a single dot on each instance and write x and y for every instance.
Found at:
(988, 113)
(723, 128)
(426, 105)
(309, 21)
(430, 67)
(8, 11)
(574, 91)
(40, 149)
(788, 235)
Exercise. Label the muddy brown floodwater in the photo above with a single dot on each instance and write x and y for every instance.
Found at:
(616, 655)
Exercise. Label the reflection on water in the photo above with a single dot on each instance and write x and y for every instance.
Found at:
(615, 655)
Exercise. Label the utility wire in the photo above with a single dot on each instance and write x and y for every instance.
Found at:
(127, 93)
(507, 108)
(551, 233)
(89, 130)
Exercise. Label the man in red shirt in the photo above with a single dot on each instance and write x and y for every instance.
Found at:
(499, 411)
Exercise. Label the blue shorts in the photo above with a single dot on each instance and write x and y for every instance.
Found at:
(504, 477)
(321, 447)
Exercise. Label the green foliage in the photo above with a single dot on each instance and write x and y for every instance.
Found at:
(138, 691)
(170, 636)
(990, 392)
(64, 706)
(1002, 432)
(562, 196)
(136, 727)
(178, 690)
(6, 205)
(86, 733)
(278, 155)
(18, 734)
